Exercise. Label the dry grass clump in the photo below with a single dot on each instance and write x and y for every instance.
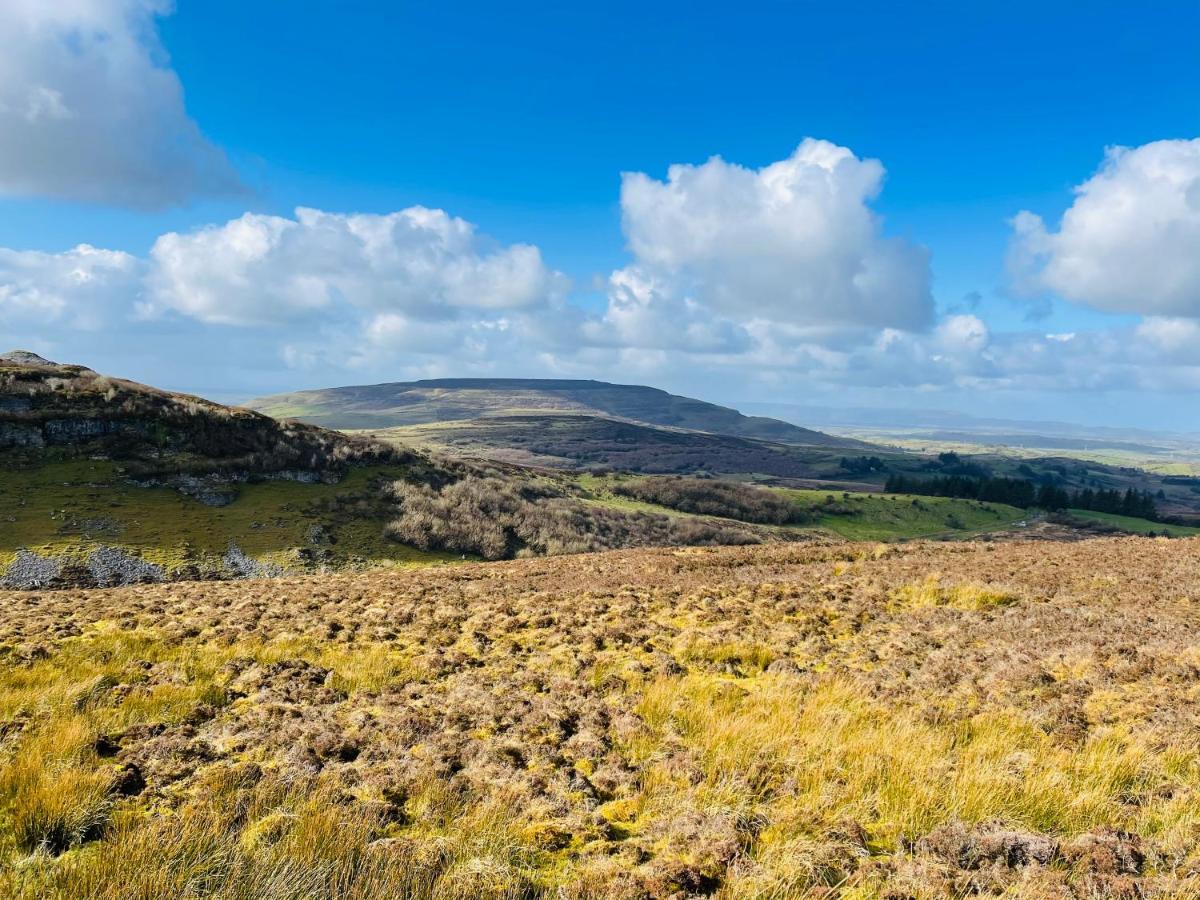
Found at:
(499, 518)
(931, 592)
(778, 721)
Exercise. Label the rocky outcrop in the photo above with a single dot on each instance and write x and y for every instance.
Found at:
(70, 431)
(24, 358)
(113, 567)
(239, 565)
(108, 566)
(15, 434)
(29, 572)
(103, 567)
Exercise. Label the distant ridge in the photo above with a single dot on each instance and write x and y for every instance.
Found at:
(397, 404)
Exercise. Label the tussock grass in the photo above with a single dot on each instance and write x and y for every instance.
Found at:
(773, 722)
(973, 597)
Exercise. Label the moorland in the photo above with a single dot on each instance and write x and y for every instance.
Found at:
(787, 720)
(244, 657)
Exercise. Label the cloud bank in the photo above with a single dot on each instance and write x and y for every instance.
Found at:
(424, 263)
(779, 281)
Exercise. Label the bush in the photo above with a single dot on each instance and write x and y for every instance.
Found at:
(499, 518)
(716, 498)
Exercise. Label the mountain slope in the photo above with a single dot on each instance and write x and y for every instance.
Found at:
(578, 441)
(57, 409)
(453, 399)
(106, 481)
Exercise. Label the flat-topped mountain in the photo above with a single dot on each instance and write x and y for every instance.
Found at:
(391, 405)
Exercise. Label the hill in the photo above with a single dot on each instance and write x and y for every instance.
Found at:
(58, 408)
(581, 441)
(783, 721)
(106, 481)
(380, 406)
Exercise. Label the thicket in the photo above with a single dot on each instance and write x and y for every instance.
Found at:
(499, 518)
(715, 498)
(862, 465)
(1021, 493)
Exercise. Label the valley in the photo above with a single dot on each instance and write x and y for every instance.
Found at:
(108, 482)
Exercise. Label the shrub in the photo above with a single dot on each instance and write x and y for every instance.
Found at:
(716, 498)
(497, 518)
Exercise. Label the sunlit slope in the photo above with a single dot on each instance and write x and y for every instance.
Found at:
(443, 400)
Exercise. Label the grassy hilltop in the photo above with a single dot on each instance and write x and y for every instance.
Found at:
(766, 722)
(382, 406)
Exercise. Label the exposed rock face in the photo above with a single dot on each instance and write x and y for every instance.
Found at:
(104, 567)
(66, 432)
(18, 435)
(24, 358)
(242, 566)
(210, 491)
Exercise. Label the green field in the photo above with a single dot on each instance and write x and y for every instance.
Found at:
(856, 516)
(67, 508)
(1133, 526)
(882, 517)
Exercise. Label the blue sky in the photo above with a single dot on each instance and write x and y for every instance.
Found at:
(520, 121)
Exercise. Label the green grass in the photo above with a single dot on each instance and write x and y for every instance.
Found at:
(69, 507)
(882, 517)
(857, 517)
(1132, 525)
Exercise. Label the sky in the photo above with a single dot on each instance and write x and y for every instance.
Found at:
(991, 208)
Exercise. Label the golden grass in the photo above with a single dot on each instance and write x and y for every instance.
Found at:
(773, 722)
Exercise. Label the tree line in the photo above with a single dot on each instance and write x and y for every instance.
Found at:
(1022, 493)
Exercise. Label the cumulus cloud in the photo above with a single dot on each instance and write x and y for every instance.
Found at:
(644, 313)
(793, 242)
(420, 262)
(739, 280)
(90, 111)
(81, 288)
(1130, 242)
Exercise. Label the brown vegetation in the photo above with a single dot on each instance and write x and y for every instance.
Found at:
(716, 498)
(777, 721)
(501, 517)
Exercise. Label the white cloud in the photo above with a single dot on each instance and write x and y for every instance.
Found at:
(82, 288)
(419, 293)
(419, 262)
(1130, 242)
(645, 313)
(90, 111)
(794, 242)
